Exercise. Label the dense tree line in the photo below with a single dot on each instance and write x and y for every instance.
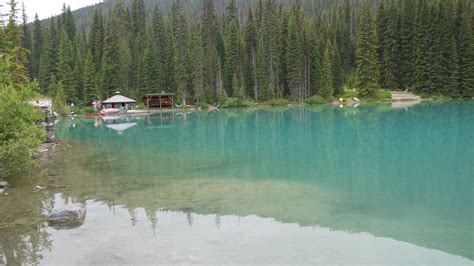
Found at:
(20, 135)
(275, 49)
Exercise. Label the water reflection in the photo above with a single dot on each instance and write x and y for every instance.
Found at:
(371, 171)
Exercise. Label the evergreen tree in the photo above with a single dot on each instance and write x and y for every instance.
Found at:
(317, 54)
(407, 45)
(148, 72)
(294, 55)
(110, 75)
(209, 42)
(283, 48)
(391, 50)
(137, 40)
(367, 65)
(327, 78)
(250, 40)
(162, 46)
(15, 53)
(96, 39)
(37, 47)
(49, 58)
(448, 71)
(465, 47)
(179, 27)
(66, 67)
(231, 45)
(90, 79)
(26, 42)
(338, 79)
(423, 47)
(170, 74)
(267, 52)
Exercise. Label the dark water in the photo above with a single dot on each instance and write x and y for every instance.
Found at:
(300, 185)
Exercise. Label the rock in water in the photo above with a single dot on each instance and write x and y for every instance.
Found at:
(3, 184)
(67, 219)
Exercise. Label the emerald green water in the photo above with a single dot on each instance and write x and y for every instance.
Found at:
(297, 185)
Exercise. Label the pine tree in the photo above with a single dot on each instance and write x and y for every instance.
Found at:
(69, 24)
(448, 57)
(137, 40)
(179, 27)
(196, 63)
(465, 47)
(90, 79)
(390, 48)
(267, 51)
(170, 73)
(294, 56)
(231, 48)
(210, 42)
(367, 65)
(148, 72)
(317, 54)
(37, 47)
(407, 45)
(423, 46)
(250, 40)
(381, 24)
(66, 67)
(26, 42)
(327, 78)
(49, 58)
(96, 39)
(337, 71)
(283, 57)
(162, 46)
(17, 56)
(110, 76)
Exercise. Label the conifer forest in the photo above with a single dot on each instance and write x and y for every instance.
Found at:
(266, 49)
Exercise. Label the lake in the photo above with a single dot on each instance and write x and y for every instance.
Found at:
(300, 185)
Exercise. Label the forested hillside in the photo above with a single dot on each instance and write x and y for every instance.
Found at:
(193, 8)
(206, 50)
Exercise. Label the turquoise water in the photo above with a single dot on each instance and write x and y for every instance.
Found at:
(296, 185)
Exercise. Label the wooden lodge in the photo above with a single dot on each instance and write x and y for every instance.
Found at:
(159, 100)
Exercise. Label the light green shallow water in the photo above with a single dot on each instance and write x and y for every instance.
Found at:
(298, 185)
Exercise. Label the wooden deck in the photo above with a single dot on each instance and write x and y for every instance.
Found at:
(404, 96)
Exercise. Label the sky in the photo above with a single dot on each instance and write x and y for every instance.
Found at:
(48, 8)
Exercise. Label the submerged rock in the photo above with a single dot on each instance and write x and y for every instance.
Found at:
(67, 219)
(40, 187)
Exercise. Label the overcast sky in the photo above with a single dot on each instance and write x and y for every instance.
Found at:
(47, 8)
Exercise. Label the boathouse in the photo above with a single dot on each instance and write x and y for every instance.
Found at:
(159, 100)
(118, 101)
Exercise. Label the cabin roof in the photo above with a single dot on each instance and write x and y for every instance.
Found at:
(119, 99)
(160, 94)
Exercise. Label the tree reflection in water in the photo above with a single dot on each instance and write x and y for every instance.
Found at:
(400, 174)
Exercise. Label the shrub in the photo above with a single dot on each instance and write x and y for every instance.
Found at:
(236, 102)
(316, 100)
(84, 110)
(349, 94)
(203, 105)
(278, 102)
(59, 102)
(20, 134)
(382, 95)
